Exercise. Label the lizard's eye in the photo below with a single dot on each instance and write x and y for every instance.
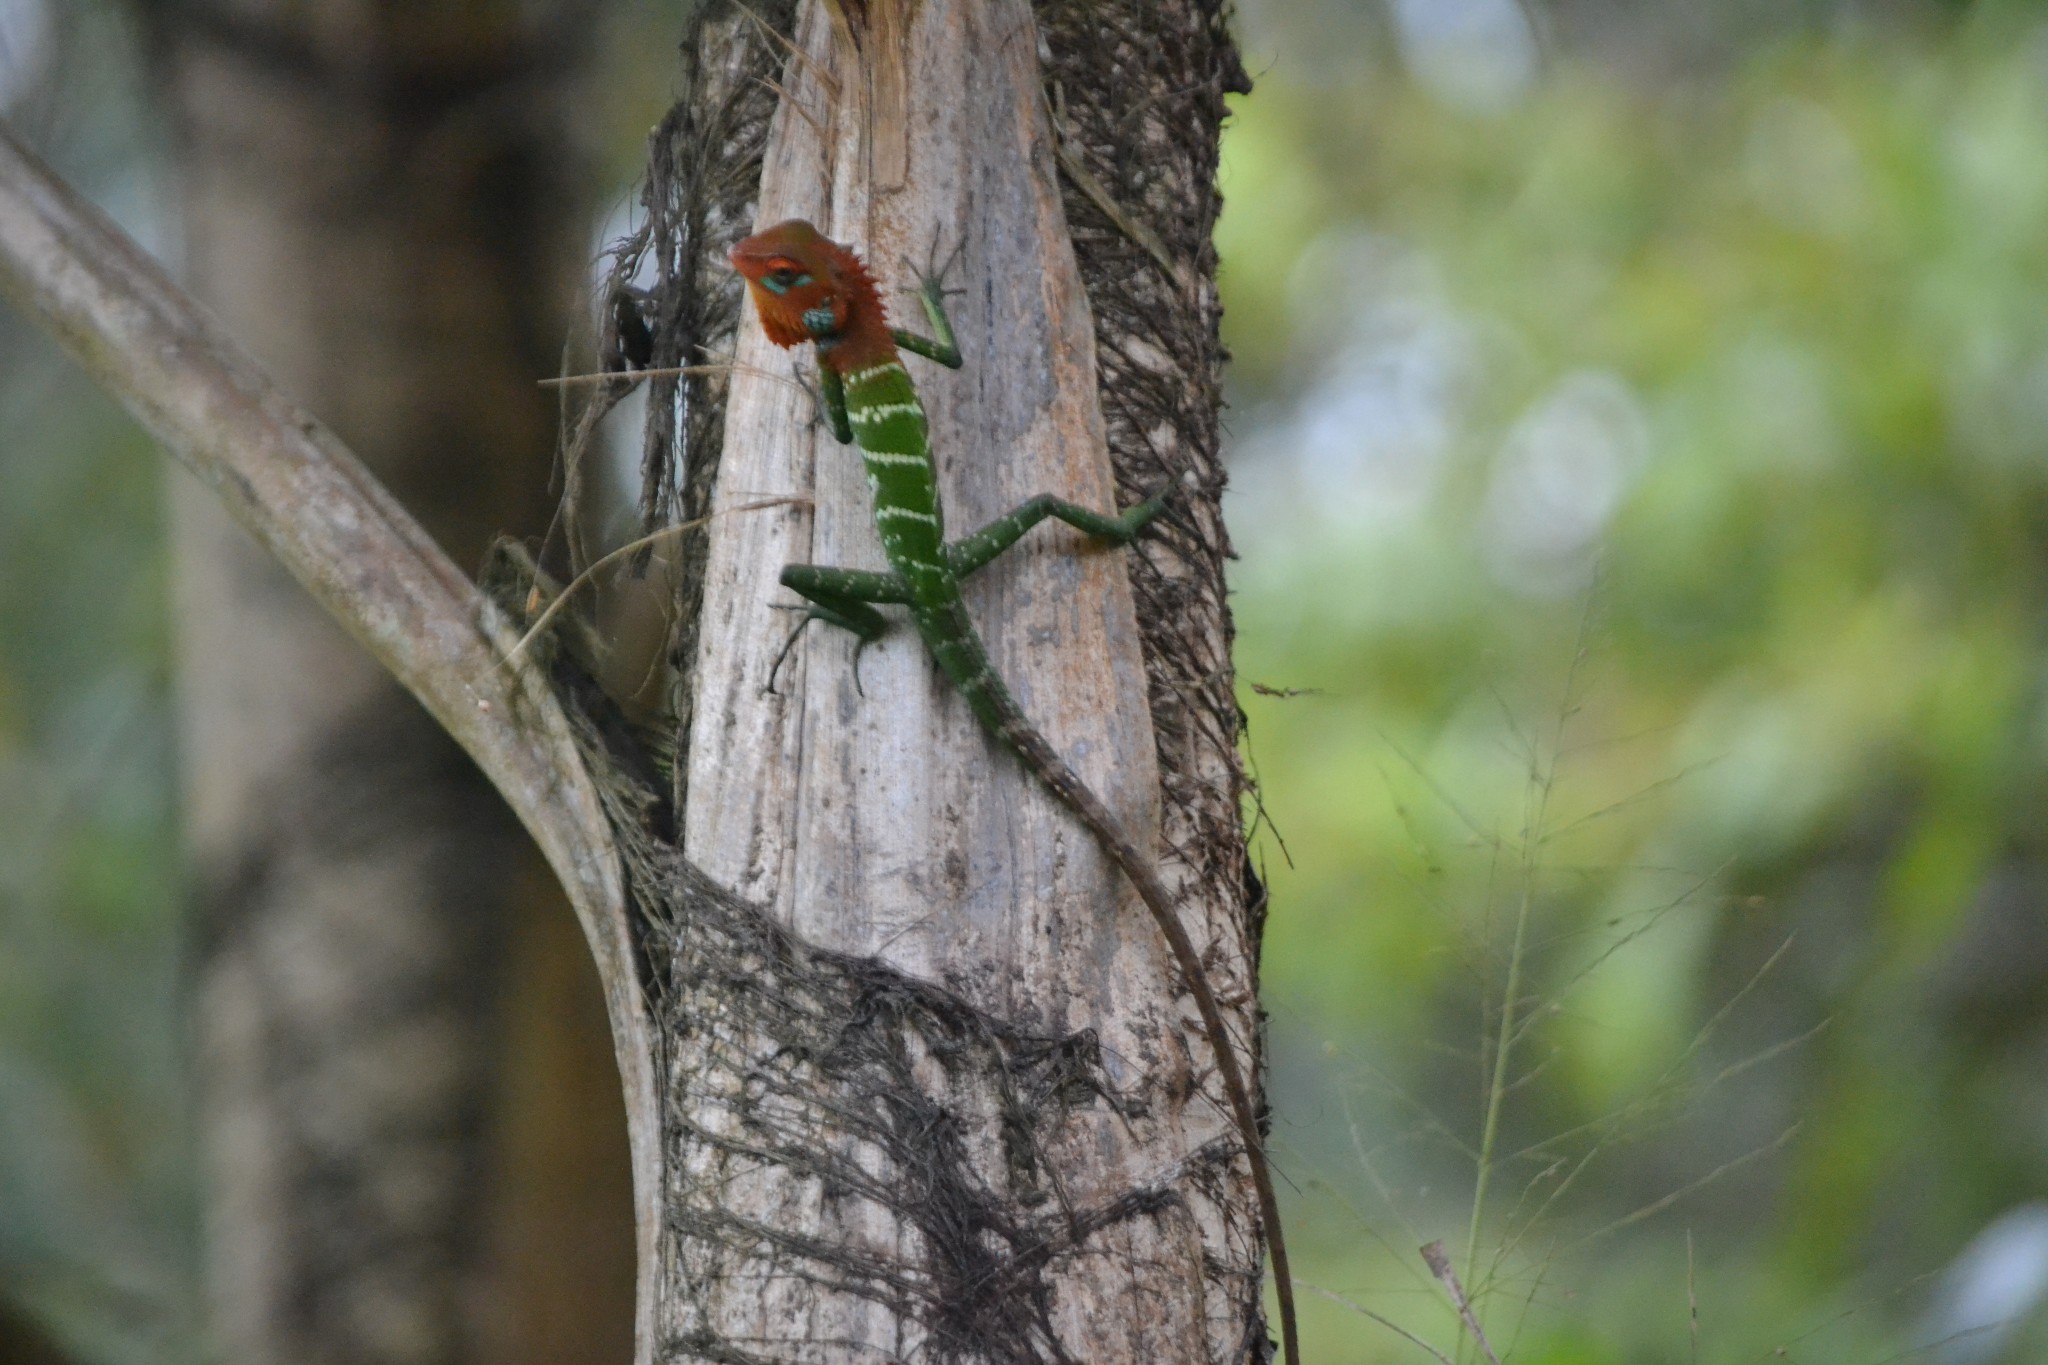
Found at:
(784, 278)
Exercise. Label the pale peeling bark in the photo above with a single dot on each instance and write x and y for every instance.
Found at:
(1023, 1160)
(407, 1107)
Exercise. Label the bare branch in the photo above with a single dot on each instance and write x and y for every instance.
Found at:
(299, 491)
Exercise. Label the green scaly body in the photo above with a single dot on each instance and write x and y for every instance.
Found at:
(888, 424)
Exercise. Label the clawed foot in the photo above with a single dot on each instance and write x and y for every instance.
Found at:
(931, 279)
(860, 647)
(774, 669)
(811, 614)
(1141, 514)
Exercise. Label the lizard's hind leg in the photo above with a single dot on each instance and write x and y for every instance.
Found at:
(971, 552)
(843, 598)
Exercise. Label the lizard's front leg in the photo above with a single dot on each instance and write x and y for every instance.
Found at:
(945, 349)
(840, 597)
(830, 400)
(971, 552)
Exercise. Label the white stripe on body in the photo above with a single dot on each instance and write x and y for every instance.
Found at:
(872, 372)
(882, 412)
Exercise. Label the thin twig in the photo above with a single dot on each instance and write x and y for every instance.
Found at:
(1396, 1328)
(1692, 1298)
(1098, 194)
(1657, 1206)
(666, 372)
(632, 547)
(1439, 1263)
(797, 55)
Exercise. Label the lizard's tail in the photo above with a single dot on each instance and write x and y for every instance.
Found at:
(968, 665)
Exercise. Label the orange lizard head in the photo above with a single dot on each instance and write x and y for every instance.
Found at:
(807, 287)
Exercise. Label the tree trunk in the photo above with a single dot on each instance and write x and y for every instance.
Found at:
(927, 1087)
(408, 1106)
(933, 1087)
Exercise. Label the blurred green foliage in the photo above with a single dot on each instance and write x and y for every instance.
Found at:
(96, 1163)
(1647, 487)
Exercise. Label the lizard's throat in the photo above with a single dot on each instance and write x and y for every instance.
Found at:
(822, 323)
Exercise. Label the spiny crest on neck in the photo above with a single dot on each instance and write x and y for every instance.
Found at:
(807, 287)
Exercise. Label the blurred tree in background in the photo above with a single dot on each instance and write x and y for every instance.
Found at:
(404, 1098)
(1642, 486)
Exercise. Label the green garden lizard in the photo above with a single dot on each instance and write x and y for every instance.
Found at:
(808, 288)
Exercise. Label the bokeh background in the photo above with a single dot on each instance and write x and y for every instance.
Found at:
(1640, 453)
